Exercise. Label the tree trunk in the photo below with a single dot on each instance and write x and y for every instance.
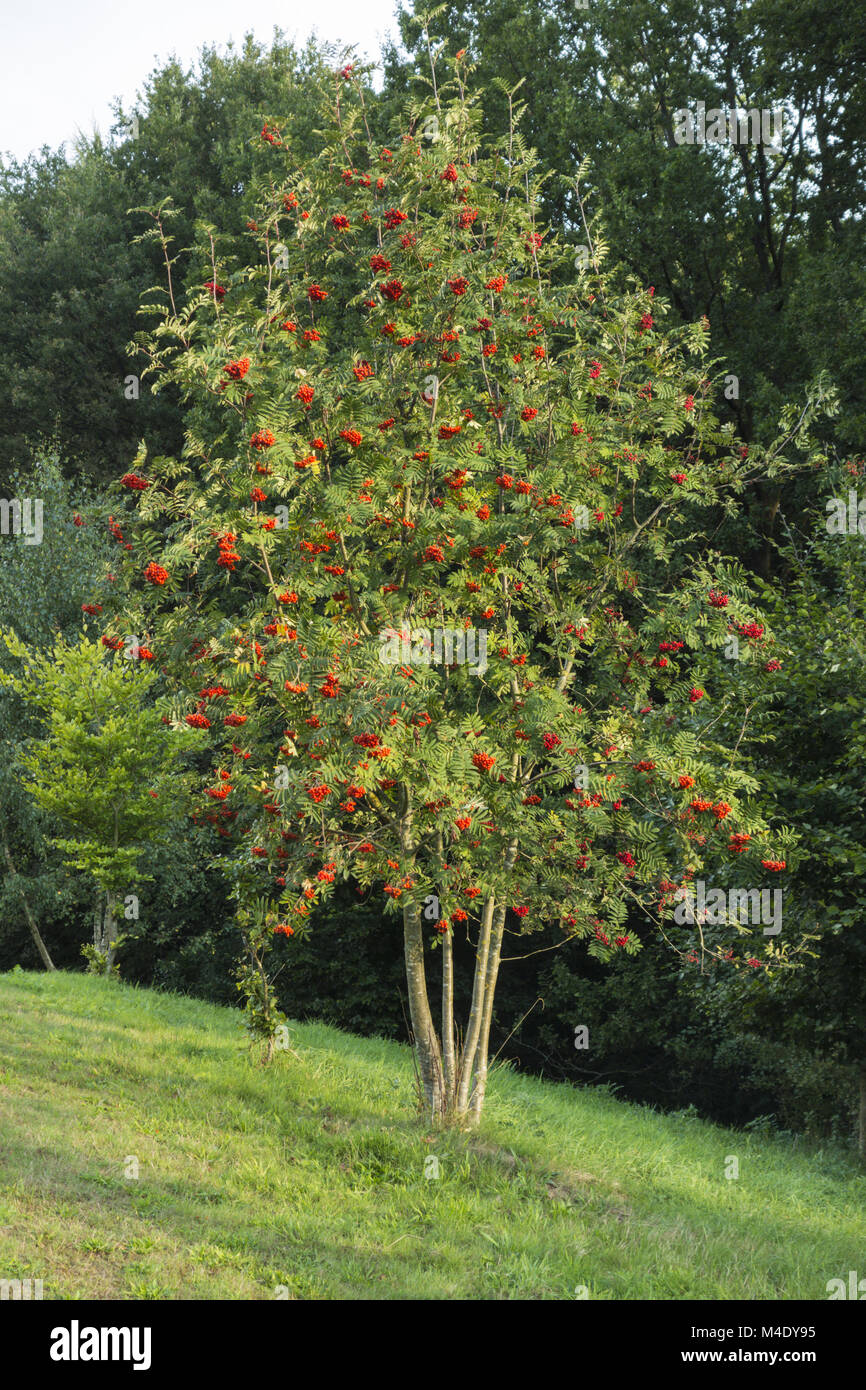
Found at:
(98, 917)
(428, 1055)
(426, 1044)
(476, 1012)
(446, 1075)
(109, 933)
(31, 920)
(473, 1081)
(449, 1053)
(480, 1062)
(105, 928)
(862, 1125)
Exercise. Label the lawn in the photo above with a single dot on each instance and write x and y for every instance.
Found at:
(143, 1155)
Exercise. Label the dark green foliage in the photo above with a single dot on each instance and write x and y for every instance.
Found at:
(71, 274)
(770, 248)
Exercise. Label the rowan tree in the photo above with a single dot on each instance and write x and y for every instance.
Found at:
(399, 430)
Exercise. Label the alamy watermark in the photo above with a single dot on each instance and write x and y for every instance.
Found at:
(77, 1343)
(846, 517)
(22, 516)
(443, 646)
(856, 1288)
(716, 906)
(728, 125)
(20, 1290)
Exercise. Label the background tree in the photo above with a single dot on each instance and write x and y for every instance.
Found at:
(72, 275)
(102, 766)
(42, 590)
(767, 243)
(809, 1032)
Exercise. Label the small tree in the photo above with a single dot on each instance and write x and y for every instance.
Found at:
(449, 611)
(103, 765)
(42, 588)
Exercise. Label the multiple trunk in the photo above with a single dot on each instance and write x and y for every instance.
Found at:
(453, 1078)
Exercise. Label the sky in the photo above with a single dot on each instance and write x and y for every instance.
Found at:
(62, 62)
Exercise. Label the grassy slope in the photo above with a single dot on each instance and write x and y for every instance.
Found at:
(310, 1174)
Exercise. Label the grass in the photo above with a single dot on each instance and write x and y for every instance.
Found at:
(307, 1179)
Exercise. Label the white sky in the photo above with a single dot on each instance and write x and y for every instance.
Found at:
(62, 61)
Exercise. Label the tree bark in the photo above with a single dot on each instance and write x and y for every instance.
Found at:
(473, 1079)
(109, 933)
(105, 927)
(425, 1042)
(31, 920)
(449, 1054)
(424, 1038)
(98, 918)
(476, 1012)
(862, 1125)
(479, 1065)
(453, 1082)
